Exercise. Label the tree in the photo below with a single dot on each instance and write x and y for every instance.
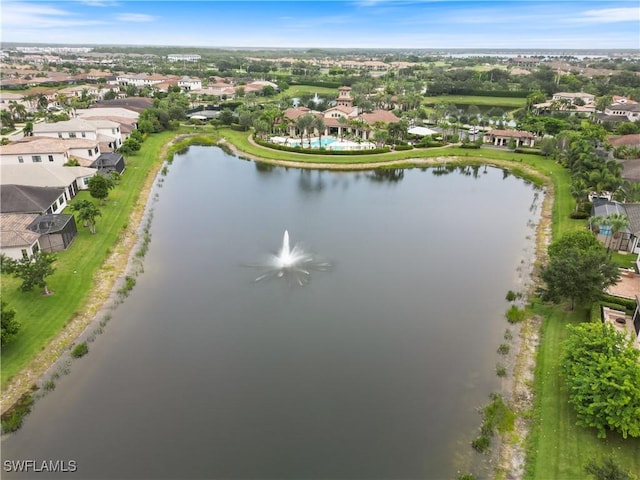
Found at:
(87, 213)
(99, 187)
(602, 371)
(607, 470)
(33, 271)
(579, 269)
(617, 222)
(9, 326)
(28, 129)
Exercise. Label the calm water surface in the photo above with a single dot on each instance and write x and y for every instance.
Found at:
(375, 370)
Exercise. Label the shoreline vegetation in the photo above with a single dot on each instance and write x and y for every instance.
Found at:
(519, 452)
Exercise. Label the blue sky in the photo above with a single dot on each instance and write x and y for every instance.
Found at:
(329, 24)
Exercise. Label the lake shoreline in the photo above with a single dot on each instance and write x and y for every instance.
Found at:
(123, 262)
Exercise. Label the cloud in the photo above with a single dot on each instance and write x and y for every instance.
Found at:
(608, 15)
(99, 3)
(135, 17)
(41, 16)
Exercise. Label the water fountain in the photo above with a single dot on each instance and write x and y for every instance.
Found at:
(293, 264)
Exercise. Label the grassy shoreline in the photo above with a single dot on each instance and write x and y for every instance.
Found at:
(555, 449)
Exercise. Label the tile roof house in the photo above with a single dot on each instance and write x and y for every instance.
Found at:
(105, 131)
(28, 199)
(69, 179)
(23, 234)
(502, 138)
(51, 151)
(621, 112)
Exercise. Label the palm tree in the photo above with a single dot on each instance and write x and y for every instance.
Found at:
(318, 124)
(579, 191)
(87, 213)
(304, 123)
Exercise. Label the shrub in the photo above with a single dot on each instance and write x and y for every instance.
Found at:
(579, 215)
(503, 349)
(12, 418)
(481, 444)
(511, 296)
(501, 370)
(515, 314)
(80, 350)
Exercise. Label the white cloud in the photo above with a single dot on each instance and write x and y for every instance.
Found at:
(135, 17)
(608, 15)
(40, 16)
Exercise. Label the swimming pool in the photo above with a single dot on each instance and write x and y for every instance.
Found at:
(324, 142)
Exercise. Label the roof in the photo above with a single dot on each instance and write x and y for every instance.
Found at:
(384, 116)
(421, 131)
(625, 107)
(511, 133)
(632, 139)
(107, 160)
(75, 124)
(45, 145)
(14, 232)
(136, 104)
(50, 223)
(114, 113)
(42, 175)
(27, 199)
(631, 210)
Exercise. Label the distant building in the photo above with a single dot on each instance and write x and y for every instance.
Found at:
(180, 57)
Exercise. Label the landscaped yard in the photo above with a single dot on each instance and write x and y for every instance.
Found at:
(480, 101)
(43, 317)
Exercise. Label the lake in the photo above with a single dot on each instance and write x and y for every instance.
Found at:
(374, 369)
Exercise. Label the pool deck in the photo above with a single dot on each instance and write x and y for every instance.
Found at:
(628, 286)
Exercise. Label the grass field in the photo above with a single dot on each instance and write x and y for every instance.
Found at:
(479, 101)
(43, 317)
(297, 90)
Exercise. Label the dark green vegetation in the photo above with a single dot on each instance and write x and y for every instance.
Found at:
(10, 326)
(80, 350)
(497, 417)
(579, 269)
(602, 372)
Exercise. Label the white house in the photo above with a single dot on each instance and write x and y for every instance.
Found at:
(624, 111)
(50, 151)
(140, 80)
(587, 98)
(69, 179)
(189, 83)
(104, 131)
(16, 240)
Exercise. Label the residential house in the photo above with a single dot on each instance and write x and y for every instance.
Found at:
(140, 80)
(69, 179)
(50, 151)
(188, 83)
(23, 234)
(179, 57)
(105, 131)
(626, 240)
(620, 112)
(501, 138)
(574, 97)
(29, 199)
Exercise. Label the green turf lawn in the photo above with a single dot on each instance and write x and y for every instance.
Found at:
(480, 101)
(297, 90)
(43, 317)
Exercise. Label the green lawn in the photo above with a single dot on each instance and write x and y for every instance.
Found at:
(480, 101)
(43, 317)
(297, 90)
